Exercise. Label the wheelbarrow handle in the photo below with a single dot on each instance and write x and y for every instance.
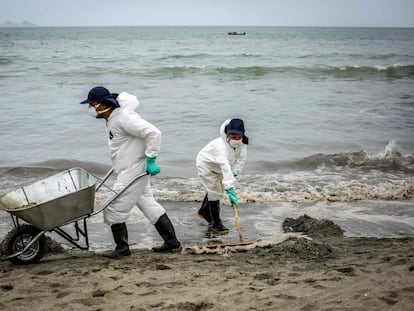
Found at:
(101, 182)
(116, 195)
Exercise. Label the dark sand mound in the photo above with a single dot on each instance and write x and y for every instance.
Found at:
(312, 227)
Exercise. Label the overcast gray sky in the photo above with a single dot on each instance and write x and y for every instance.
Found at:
(388, 13)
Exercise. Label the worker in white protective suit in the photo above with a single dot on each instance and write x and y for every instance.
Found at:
(134, 145)
(218, 164)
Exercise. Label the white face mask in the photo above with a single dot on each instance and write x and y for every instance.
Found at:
(93, 113)
(235, 143)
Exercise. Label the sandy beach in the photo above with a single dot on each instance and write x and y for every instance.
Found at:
(322, 273)
(329, 112)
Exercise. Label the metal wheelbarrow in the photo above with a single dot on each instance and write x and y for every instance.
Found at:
(48, 205)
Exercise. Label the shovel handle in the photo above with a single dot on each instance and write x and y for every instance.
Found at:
(236, 216)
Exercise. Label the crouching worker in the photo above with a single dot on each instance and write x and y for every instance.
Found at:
(134, 145)
(218, 164)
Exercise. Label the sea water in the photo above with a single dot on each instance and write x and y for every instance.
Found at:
(329, 111)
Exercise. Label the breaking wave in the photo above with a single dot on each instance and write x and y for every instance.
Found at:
(395, 71)
(351, 72)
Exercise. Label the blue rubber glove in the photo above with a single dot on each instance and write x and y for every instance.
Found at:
(152, 166)
(235, 173)
(232, 197)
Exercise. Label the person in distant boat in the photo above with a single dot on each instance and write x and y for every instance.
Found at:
(218, 164)
(134, 145)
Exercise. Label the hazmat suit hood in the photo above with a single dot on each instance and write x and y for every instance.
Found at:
(128, 101)
(223, 128)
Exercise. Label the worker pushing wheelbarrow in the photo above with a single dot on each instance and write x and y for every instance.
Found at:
(134, 144)
(47, 206)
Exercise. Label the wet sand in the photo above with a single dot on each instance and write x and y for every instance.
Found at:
(327, 272)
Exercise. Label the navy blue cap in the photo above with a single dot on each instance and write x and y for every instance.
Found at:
(236, 126)
(100, 94)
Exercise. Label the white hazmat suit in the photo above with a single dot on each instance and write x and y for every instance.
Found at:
(217, 162)
(130, 140)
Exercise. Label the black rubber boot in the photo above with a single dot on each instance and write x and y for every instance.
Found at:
(166, 231)
(215, 215)
(204, 211)
(120, 233)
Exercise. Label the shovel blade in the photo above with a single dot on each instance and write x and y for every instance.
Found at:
(226, 244)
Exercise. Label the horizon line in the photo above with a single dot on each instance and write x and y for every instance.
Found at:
(17, 25)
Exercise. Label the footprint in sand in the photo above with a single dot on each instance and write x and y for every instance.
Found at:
(62, 294)
(55, 285)
(192, 306)
(44, 272)
(388, 300)
(99, 293)
(6, 287)
(349, 271)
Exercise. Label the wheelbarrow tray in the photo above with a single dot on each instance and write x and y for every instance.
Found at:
(53, 201)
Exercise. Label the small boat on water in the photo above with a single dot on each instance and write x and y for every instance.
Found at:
(236, 33)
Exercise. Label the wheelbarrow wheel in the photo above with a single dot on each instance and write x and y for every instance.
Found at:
(16, 240)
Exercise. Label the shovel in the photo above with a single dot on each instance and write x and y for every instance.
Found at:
(236, 216)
